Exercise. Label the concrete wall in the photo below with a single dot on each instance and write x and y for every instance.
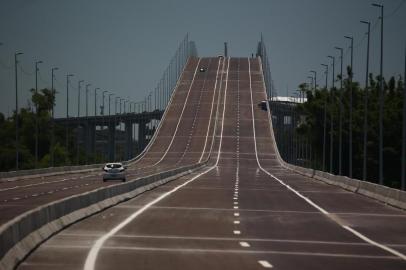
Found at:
(381, 193)
(24, 233)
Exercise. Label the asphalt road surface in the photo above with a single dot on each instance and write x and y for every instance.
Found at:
(241, 211)
(194, 90)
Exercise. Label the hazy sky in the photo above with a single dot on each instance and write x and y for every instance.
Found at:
(123, 46)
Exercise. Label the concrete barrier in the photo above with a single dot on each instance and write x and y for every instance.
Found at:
(24, 233)
(381, 193)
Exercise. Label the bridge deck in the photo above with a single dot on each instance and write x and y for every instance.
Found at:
(242, 211)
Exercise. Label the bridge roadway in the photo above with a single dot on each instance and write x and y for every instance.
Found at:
(20, 195)
(242, 211)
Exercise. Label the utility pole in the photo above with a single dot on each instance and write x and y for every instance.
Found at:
(340, 132)
(331, 115)
(16, 114)
(325, 121)
(381, 101)
(350, 124)
(52, 152)
(36, 113)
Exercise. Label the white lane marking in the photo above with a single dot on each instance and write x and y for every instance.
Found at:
(372, 242)
(356, 233)
(236, 214)
(244, 244)
(94, 251)
(212, 106)
(236, 222)
(180, 117)
(265, 264)
(235, 207)
(237, 232)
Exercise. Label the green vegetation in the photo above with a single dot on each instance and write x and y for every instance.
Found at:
(312, 128)
(44, 101)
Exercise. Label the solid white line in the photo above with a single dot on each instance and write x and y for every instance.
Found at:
(265, 264)
(212, 105)
(356, 233)
(180, 117)
(94, 251)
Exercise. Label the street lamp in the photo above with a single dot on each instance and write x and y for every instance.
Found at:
(325, 120)
(102, 110)
(340, 132)
(16, 80)
(77, 133)
(315, 79)
(350, 122)
(95, 100)
(36, 113)
(87, 94)
(331, 115)
(67, 111)
(311, 78)
(79, 85)
(109, 101)
(381, 97)
(364, 163)
(53, 117)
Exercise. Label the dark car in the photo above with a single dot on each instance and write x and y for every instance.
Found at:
(114, 171)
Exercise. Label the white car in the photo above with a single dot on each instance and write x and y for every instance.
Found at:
(114, 171)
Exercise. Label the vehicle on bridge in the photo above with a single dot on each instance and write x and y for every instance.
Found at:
(114, 171)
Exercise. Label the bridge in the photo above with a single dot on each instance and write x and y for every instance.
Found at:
(90, 125)
(209, 191)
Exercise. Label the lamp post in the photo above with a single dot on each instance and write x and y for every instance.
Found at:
(36, 113)
(16, 82)
(381, 101)
(87, 95)
(311, 78)
(102, 110)
(95, 100)
(340, 131)
(331, 114)
(67, 113)
(325, 120)
(403, 173)
(364, 163)
(53, 117)
(77, 133)
(109, 101)
(350, 121)
(315, 79)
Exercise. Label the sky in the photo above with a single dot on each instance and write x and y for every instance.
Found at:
(123, 46)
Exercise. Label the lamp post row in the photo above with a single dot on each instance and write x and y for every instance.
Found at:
(381, 107)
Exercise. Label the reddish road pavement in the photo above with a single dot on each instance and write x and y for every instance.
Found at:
(242, 211)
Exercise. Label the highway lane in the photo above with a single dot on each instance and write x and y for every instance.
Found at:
(22, 195)
(244, 211)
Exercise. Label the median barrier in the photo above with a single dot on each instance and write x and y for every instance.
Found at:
(27, 231)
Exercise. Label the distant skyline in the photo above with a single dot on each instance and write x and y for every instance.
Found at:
(124, 46)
